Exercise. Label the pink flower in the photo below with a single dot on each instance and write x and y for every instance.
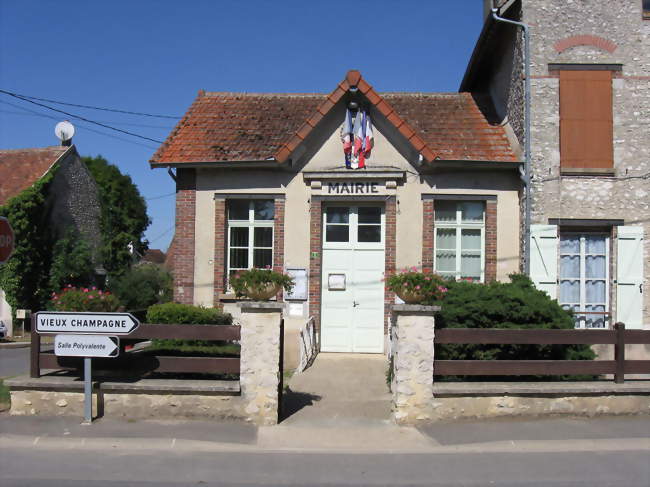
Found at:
(94, 288)
(90, 297)
(406, 284)
(267, 266)
(417, 287)
(69, 285)
(85, 289)
(414, 269)
(427, 278)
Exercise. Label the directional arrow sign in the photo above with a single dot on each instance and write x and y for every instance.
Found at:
(87, 323)
(86, 346)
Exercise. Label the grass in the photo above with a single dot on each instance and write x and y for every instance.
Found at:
(5, 397)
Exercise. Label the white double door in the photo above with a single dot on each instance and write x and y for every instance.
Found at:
(352, 303)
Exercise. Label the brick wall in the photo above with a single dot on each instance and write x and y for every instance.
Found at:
(278, 236)
(184, 237)
(315, 259)
(490, 240)
(427, 235)
(220, 239)
(390, 255)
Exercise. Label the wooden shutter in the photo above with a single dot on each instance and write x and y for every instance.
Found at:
(543, 258)
(586, 131)
(629, 278)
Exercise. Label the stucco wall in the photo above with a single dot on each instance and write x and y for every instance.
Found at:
(626, 195)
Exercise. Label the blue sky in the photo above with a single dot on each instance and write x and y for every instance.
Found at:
(153, 57)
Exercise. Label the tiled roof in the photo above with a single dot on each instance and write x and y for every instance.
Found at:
(254, 127)
(20, 168)
(154, 256)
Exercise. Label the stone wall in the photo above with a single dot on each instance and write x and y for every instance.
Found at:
(614, 33)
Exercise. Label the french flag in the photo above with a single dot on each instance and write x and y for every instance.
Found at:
(346, 137)
(368, 141)
(358, 160)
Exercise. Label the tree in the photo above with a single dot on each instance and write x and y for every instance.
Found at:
(142, 286)
(123, 215)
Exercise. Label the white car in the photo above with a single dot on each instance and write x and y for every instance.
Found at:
(3, 329)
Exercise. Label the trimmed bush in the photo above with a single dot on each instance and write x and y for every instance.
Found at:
(515, 305)
(185, 314)
(143, 286)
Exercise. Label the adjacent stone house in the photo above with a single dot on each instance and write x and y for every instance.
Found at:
(262, 181)
(72, 200)
(590, 91)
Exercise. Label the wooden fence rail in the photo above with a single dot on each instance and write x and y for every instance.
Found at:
(619, 337)
(136, 362)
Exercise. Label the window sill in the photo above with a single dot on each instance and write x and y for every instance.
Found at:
(586, 171)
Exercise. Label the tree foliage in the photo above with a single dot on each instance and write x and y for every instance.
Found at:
(143, 286)
(72, 262)
(123, 215)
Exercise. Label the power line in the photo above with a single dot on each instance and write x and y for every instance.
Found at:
(162, 234)
(19, 97)
(160, 196)
(128, 141)
(142, 114)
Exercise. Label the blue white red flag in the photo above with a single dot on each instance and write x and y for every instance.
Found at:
(357, 145)
(369, 140)
(346, 137)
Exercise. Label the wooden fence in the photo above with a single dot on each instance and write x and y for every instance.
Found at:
(138, 362)
(619, 337)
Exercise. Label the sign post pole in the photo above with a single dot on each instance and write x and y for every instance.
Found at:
(88, 391)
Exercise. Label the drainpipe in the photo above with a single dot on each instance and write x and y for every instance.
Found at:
(525, 177)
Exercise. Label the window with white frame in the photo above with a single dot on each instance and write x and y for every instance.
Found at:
(460, 239)
(250, 234)
(584, 278)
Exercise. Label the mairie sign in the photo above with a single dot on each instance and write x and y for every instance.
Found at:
(85, 323)
(86, 346)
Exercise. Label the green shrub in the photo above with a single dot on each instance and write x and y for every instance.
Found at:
(185, 314)
(515, 305)
(143, 286)
(256, 280)
(83, 299)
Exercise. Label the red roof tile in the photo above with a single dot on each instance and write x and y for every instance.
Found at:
(253, 127)
(20, 168)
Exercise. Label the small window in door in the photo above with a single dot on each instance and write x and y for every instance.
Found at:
(337, 224)
(369, 226)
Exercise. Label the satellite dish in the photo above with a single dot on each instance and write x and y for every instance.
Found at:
(64, 130)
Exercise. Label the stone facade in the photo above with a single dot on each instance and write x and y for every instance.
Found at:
(412, 360)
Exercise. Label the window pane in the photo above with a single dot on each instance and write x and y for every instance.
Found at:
(445, 211)
(595, 321)
(569, 245)
(470, 239)
(369, 214)
(595, 245)
(570, 266)
(262, 258)
(446, 239)
(239, 258)
(472, 211)
(337, 233)
(570, 291)
(595, 291)
(238, 237)
(263, 237)
(238, 209)
(369, 233)
(445, 261)
(595, 266)
(470, 266)
(264, 209)
(338, 214)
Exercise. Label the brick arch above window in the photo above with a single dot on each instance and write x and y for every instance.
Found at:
(585, 40)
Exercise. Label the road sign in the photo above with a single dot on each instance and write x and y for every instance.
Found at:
(85, 323)
(86, 346)
(6, 240)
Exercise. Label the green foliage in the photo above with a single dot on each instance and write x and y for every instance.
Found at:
(517, 304)
(71, 262)
(24, 278)
(185, 314)
(123, 215)
(431, 287)
(143, 286)
(83, 299)
(258, 280)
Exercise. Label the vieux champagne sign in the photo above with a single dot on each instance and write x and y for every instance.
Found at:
(85, 323)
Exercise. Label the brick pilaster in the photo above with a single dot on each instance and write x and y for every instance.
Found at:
(427, 235)
(278, 236)
(315, 259)
(490, 240)
(220, 244)
(184, 236)
(390, 255)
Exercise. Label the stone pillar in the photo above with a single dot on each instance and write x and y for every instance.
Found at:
(259, 373)
(412, 354)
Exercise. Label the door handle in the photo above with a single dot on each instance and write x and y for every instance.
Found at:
(354, 304)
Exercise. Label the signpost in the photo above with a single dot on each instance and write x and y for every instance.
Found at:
(6, 240)
(86, 335)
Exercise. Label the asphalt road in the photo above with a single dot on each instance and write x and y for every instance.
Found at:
(112, 468)
(14, 361)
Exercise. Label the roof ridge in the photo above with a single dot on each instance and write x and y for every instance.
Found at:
(246, 93)
(25, 149)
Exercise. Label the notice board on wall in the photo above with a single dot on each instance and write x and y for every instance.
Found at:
(299, 291)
